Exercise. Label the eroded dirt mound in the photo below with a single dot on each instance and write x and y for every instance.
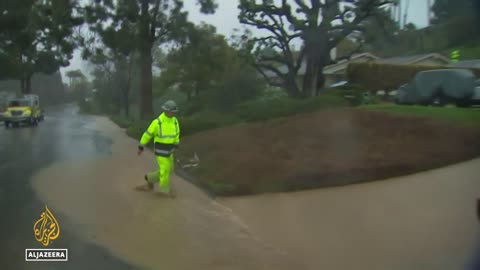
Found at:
(326, 148)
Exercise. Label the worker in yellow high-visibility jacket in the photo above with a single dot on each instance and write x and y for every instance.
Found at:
(165, 132)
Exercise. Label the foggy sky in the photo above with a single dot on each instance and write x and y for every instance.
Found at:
(225, 20)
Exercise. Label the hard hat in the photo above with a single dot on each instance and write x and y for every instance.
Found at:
(170, 106)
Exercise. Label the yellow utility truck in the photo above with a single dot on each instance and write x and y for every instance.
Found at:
(25, 109)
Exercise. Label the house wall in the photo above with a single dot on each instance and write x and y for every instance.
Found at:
(334, 78)
(329, 79)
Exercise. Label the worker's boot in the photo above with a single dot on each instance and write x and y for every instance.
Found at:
(149, 185)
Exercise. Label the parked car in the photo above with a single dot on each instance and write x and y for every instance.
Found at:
(476, 94)
(439, 87)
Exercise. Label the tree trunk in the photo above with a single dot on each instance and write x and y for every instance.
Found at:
(146, 107)
(311, 78)
(22, 84)
(320, 80)
(126, 94)
(28, 84)
(146, 44)
(291, 87)
(316, 55)
(126, 102)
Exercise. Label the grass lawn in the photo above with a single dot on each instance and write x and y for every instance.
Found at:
(467, 116)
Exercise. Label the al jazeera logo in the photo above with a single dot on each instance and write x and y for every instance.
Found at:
(46, 229)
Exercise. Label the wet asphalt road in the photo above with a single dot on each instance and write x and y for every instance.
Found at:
(64, 135)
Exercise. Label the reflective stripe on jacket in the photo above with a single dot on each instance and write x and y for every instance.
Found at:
(165, 132)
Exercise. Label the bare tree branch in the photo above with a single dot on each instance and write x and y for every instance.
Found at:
(341, 16)
(271, 68)
(277, 58)
(271, 81)
(259, 25)
(363, 12)
(301, 4)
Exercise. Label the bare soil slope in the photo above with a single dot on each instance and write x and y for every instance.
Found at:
(327, 148)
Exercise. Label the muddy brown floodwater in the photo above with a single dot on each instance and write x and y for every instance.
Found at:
(422, 221)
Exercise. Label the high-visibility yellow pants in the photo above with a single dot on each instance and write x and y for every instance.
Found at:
(162, 175)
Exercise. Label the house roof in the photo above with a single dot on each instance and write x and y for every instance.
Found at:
(399, 60)
(331, 69)
(412, 59)
(361, 55)
(475, 63)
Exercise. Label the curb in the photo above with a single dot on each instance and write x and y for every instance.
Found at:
(191, 179)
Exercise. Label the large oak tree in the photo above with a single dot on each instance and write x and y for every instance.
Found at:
(320, 24)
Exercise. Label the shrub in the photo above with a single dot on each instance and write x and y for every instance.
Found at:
(235, 88)
(259, 110)
(456, 37)
(189, 125)
(204, 121)
(192, 107)
(179, 98)
(352, 93)
(272, 93)
(374, 76)
(91, 107)
(136, 129)
(122, 121)
(468, 52)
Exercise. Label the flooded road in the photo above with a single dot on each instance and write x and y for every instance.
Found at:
(189, 232)
(423, 221)
(23, 151)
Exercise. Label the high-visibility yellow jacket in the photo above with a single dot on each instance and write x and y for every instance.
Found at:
(165, 132)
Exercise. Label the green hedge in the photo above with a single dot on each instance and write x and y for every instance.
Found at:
(189, 125)
(352, 93)
(122, 121)
(375, 76)
(206, 120)
(468, 52)
(136, 129)
(260, 110)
